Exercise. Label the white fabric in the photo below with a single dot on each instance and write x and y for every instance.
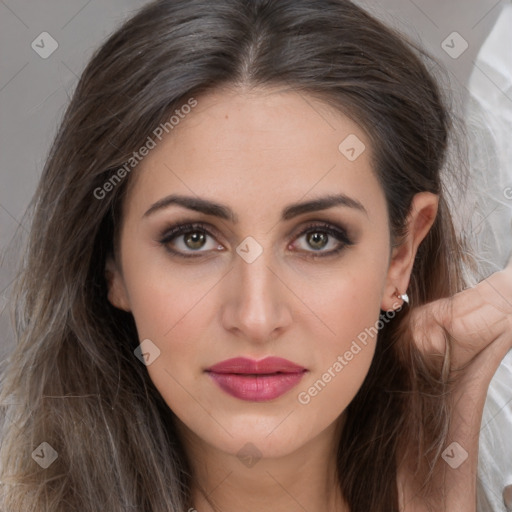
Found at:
(489, 118)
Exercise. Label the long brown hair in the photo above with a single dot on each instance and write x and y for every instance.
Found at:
(73, 373)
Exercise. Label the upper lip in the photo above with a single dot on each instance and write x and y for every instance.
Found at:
(244, 365)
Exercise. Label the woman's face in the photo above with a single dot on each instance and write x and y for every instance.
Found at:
(260, 274)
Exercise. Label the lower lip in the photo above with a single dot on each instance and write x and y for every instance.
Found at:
(256, 388)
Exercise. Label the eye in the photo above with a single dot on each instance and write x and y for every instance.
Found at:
(319, 236)
(188, 238)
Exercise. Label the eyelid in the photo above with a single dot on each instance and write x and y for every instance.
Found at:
(191, 225)
(321, 225)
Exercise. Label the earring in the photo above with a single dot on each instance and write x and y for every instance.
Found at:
(402, 296)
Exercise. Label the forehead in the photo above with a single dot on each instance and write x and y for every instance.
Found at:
(260, 147)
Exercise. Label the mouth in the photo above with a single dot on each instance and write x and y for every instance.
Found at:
(256, 381)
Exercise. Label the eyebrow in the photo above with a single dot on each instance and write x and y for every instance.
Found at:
(224, 212)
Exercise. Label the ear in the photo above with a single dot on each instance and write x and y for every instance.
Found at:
(117, 294)
(419, 221)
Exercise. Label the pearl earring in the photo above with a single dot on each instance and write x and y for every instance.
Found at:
(402, 296)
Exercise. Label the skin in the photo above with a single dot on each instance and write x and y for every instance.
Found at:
(257, 151)
(479, 321)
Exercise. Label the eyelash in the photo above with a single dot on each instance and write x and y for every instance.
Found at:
(338, 233)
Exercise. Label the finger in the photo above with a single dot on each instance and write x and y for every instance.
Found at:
(508, 266)
(471, 321)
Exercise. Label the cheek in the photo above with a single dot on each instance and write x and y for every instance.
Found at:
(347, 299)
(177, 310)
(349, 310)
(176, 314)
(167, 301)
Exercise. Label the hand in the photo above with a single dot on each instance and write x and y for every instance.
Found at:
(478, 323)
(478, 319)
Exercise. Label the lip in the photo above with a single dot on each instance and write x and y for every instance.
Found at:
(256, 381)
(247, 366)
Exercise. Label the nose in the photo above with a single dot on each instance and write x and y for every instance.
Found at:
(256, 305)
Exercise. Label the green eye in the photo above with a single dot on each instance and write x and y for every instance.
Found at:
(318, 236)
(193, 238)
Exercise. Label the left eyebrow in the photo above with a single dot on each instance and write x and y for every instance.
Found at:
(224, 212)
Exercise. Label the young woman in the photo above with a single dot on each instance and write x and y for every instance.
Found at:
(242, 288)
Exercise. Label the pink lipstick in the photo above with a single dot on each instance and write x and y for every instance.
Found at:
(256, 381)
